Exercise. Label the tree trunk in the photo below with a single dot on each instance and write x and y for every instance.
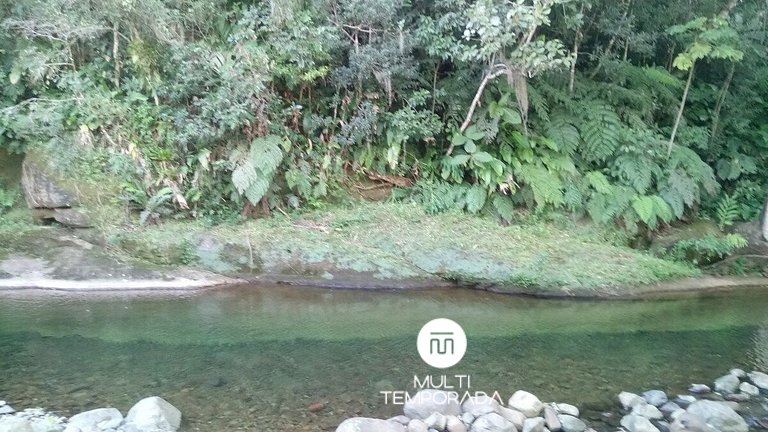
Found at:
(764, 220)
(116, 52)
(719, 105)
(572, 77)
(680, 111)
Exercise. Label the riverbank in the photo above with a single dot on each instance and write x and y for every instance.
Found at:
(368, 246)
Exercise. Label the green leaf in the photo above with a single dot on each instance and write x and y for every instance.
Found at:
(458, 139)
(470, 147)
(482, 157)
(474, 134)
(504, 207)
(475, 198)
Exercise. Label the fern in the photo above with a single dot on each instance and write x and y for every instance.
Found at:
(539, 103)
(599, 182)
(679, 191)
(636, 171)
(547, 188)
(601, 132)
(564, 133)
(727, 211)
(652, 208)
(255, 169)
(605, 207)
(695, 168)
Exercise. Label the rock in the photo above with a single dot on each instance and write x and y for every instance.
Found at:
(668, 408)
(479, 405)
(571, 424)
(551, 420)
(727, 384)
(467, 418)
(535, 424)
(15, 424)
(685, 400)
(648, 411)
(492, 422)
(363, 424)
(637, 423)
(656, 398)
(71, 428)
(516, 417)
(737, 397)
(759, 379)
(718, 415)
(526, 403)
(429, 401)
(454, 424)
(154, 414)
(6, 409)
(690, 423)
(403, 420)
(416, 425)
(749, 389)
(102, 418)
(40, 190)
(316, 407)
(563, 408)
(629, 400)
(676, 414)
(738, 373)
(3, 403)
(72, 218)
(436, 421)
(699, 388)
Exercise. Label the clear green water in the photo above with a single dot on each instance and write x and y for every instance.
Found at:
(254, 358)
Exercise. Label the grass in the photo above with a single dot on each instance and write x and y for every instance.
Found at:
(397, 241)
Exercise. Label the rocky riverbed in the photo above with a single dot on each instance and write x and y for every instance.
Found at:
(152, 414)
(736, 402)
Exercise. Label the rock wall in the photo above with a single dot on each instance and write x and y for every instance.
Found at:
(48, 198)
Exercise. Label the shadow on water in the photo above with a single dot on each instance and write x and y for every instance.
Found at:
(254, 358)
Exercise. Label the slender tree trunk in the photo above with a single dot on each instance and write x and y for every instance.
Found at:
(116, 52)
(434, 85)
(719, 105)
(764, 220)
(680, 111)
(576, 42)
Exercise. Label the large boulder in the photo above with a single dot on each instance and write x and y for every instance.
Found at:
(364, 424)
(48, 199)
(492, 423)
(97, 419)
(727, 384)
(426, 402)
(14, 424)
(526, 403)
(718, 415)
(759, 379)
(40, 190)
(154, 414)
(479, 405)
(637, 423)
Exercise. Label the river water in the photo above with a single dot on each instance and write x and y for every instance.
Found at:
(255, 358)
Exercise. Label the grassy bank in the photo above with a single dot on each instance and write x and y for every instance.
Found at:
(391, 241)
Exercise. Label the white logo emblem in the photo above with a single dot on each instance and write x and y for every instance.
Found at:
(442, 343)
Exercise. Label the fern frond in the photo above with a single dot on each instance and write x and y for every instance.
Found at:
(547, 187)
(562, 131)
(601, 131)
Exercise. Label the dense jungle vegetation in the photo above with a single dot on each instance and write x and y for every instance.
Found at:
(636, 113)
